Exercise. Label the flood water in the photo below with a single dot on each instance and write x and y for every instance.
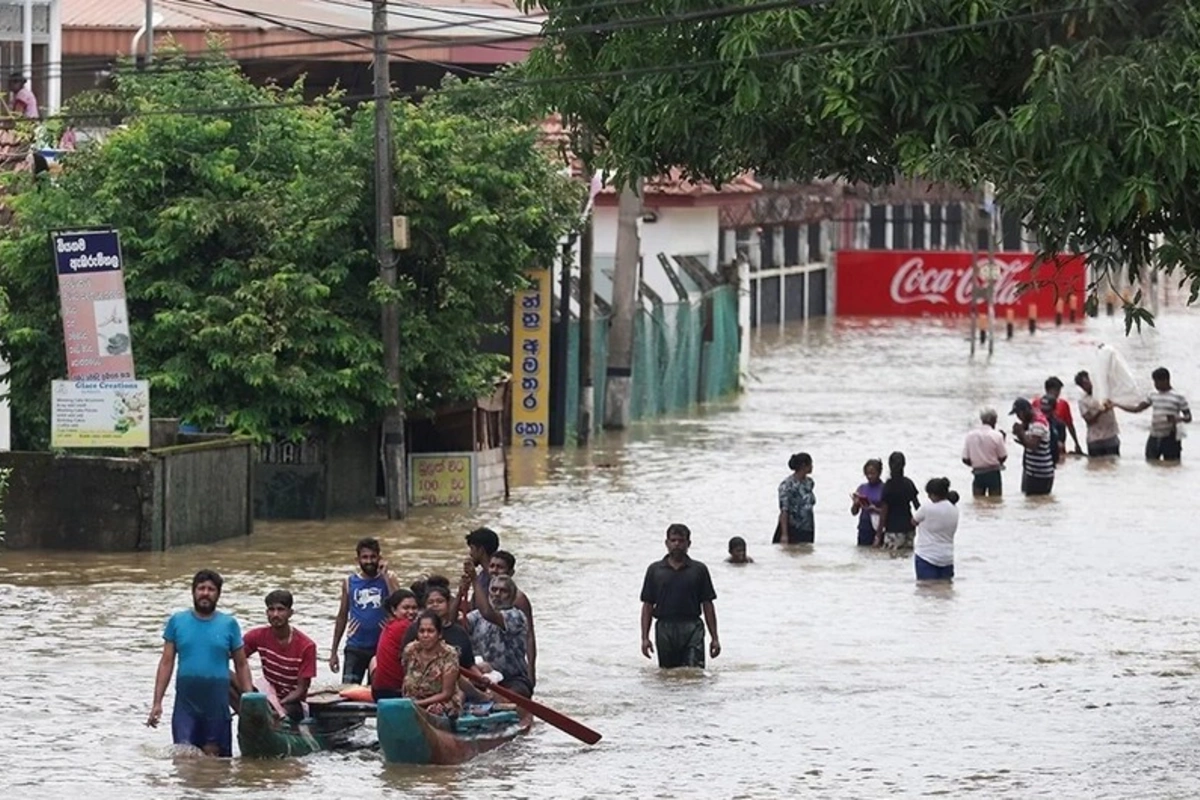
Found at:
(1063, 662)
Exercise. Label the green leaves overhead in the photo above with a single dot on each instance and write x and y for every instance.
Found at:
(247, 235)
(1083, 113)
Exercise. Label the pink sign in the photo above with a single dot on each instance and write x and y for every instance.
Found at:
(91, 288)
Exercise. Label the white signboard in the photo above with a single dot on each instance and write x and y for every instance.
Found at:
(100, 414)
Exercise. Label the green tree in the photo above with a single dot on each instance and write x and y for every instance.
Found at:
(245, 216)
(484, 203)
(1083, 113)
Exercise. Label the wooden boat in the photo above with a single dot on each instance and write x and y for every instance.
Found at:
(261, 734)
(410, 735)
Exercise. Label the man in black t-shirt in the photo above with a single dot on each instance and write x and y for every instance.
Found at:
(674, 593)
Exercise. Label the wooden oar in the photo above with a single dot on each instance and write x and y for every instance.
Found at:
(559, 720)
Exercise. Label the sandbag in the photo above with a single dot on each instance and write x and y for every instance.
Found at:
(1114, 380)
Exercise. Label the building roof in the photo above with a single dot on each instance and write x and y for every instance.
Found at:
(671, 186)
(447, 18)
(457, 31)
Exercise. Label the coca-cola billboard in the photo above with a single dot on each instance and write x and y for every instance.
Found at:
(907, 283)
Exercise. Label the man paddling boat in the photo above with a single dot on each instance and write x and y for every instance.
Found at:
(204, 640)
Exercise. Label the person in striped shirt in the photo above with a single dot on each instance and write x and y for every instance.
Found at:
(1032, 431)
(1170, 409)
(289, 658)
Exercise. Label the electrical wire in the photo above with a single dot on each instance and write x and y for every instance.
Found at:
(287, 21)
(500, 82)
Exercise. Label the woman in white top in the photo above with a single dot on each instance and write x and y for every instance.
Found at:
(936, 523)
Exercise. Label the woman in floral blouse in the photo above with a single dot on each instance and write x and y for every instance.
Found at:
(431, 669)
(796, 501)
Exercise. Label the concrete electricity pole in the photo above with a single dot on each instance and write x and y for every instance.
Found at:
(587, 306)
(393, 420)
(619, 383)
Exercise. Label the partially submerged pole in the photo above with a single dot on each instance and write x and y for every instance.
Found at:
(618, 385)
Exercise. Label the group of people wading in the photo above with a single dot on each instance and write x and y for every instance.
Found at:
(413, 642)
(891, 515)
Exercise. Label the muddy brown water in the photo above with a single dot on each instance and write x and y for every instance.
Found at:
(1062, 663)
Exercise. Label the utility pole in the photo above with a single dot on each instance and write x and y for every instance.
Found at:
(973, 226)
(587, 307)
(149, 32)
(993, 219)
(393, 419)
(619, 375)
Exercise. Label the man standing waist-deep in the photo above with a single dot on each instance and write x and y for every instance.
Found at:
(204, 640)
(674, 593)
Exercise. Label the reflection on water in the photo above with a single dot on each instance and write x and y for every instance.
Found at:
(1061, 662)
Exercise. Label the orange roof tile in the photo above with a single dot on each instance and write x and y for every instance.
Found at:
(672, 184)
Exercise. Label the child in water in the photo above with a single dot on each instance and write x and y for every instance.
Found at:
(737, 552)
(865, 501)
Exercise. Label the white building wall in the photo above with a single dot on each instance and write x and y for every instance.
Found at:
(678, 232)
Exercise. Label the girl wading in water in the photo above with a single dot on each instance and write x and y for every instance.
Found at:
(865, 501)
(796, 501)
(936, 523)
(900, 499)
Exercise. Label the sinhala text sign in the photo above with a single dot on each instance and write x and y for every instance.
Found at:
(100, 414)
(531, 361)
(441, 479)
(91, 288)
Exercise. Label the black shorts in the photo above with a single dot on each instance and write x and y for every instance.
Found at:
(354, 664)
(987, 483)
(679, 642)
(1165, 448)
(1104, 447)
(1035, 486)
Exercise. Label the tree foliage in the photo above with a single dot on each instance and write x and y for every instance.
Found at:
(248, 244)
(1083, 113)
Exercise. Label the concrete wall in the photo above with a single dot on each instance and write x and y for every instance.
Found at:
(204, 492)
(76, 503)
(189, 494)
(678, 231)
(489, 466)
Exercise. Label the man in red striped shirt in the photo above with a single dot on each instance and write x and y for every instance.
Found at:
(289, 658)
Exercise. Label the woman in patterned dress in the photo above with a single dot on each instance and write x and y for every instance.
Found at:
(796, 501)
(431, 669)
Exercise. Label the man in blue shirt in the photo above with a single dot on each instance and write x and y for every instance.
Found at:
(204, 640)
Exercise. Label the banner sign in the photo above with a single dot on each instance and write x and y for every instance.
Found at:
(531, 361)
(100, 414)
(905, 283)
(91, 288)
(441, 479)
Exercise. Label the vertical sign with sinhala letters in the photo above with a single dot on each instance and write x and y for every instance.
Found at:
(91, 288)
(531, 361)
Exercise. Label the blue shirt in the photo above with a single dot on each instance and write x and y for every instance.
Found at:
(204, 647)
(366, 611)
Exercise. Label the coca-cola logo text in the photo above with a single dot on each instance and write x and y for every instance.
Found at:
(916, 283)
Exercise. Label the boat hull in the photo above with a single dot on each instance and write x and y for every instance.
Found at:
(409, 735)
(263, 735)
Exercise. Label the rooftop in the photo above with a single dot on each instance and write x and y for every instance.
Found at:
(443, 18)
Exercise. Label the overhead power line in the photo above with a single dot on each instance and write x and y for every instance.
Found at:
(500, 83)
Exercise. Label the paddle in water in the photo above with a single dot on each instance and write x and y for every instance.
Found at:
(559, 720)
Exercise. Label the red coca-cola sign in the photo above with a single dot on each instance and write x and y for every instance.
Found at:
(908, 283)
